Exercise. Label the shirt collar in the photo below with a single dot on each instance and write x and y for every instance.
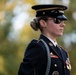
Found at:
(54, 42)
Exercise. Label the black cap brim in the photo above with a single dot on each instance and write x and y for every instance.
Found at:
(50, 6)
(62, 17)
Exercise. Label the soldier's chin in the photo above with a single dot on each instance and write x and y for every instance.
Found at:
(60, 34)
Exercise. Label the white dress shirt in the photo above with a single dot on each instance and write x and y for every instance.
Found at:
(54, 42)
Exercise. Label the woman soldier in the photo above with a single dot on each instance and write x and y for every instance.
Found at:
(50, 21)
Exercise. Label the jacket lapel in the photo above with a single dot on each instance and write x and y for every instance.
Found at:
(50, 44)
(63, 55)
(54, 50)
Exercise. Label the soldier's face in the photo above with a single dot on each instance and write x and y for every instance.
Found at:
(53, 28)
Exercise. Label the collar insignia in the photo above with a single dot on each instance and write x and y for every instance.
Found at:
(50, 44)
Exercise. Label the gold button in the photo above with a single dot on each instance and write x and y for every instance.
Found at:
(43, 13)
(55, 65)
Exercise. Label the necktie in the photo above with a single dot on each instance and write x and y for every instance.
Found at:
(58, 49)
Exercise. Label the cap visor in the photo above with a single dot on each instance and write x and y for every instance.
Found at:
(62, 17)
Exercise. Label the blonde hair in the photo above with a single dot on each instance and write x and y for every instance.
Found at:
(35, 23)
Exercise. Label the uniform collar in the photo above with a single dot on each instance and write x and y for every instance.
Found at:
(48, 39)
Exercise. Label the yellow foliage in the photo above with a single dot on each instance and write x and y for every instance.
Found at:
(29, 1)
(2, 15)
(2, 4)
(21, 52)
(28, 34)
(1, 64)
(10, 6)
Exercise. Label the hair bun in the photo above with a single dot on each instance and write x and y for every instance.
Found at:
(34, 24)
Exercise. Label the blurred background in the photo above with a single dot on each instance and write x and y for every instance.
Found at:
(16, 33)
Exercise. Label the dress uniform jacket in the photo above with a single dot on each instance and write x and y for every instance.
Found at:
(35, 59)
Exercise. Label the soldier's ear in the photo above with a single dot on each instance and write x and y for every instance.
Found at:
(43, 23)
